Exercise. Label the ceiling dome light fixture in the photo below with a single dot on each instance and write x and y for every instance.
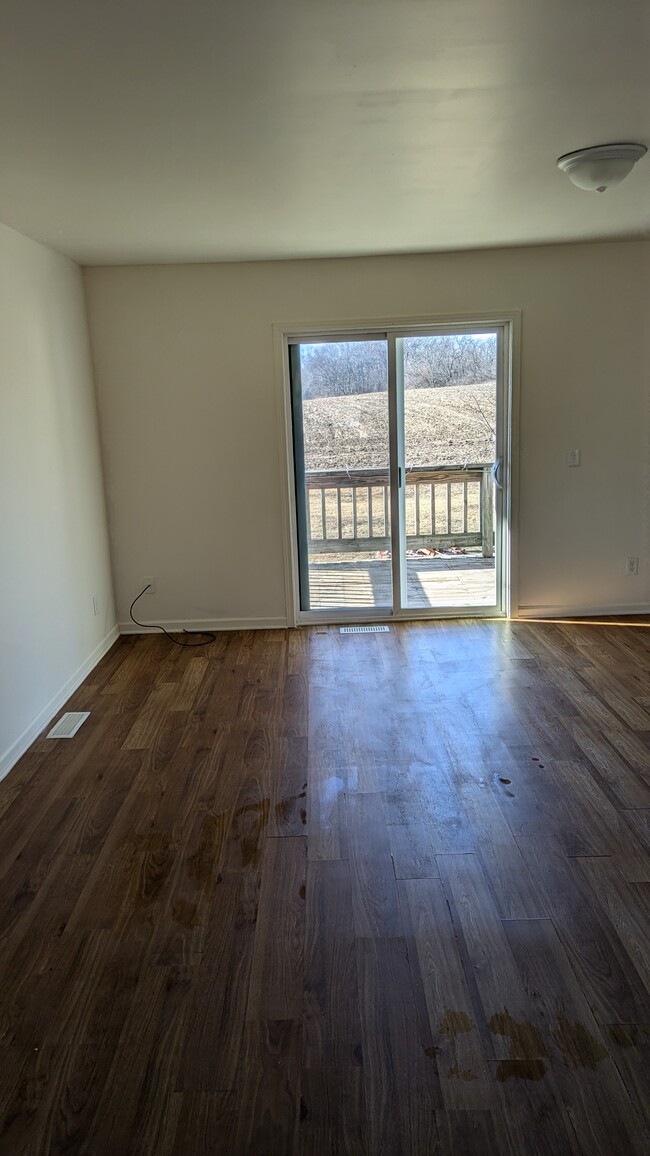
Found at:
(598, 168)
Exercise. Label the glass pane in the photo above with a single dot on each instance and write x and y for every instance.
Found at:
(450, 411)
(342, 474)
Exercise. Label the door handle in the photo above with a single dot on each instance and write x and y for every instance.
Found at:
(496, 473)
(399, 477)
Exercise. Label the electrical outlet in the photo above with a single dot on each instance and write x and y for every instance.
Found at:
(151, 583)
(95, 605)
(631, 565)
(573, 457)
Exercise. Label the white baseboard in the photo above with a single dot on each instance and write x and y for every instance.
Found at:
(583, 611)
(210, 624)
(31, 732)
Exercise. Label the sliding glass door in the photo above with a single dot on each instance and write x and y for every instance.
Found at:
(339, 395)
(450, 417)
(399, 456)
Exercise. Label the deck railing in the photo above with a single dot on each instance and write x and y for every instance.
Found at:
(349, 510)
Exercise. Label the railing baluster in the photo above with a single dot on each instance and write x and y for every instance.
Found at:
(474, 498)
(487, 512)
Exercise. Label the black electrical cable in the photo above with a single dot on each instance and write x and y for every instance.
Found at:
(208, 635)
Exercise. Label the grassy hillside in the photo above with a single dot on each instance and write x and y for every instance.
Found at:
(452, 425)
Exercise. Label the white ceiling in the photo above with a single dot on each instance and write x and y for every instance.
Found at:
(197, 130)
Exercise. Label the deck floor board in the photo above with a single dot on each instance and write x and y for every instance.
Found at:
(432, 583)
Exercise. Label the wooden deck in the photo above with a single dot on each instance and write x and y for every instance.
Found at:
(435, 583)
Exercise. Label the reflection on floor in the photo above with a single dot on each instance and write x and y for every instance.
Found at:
(443, 581)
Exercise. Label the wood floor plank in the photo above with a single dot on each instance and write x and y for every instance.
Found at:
(180, 936)
(455, 1048)
(629, 1047)
(331, 1023)
(309, 893)
(424, 791)
(533, 1108)
(205, 1123)
(374, 890)
(412, 851)
(401, 1093)
(277, 972)
(530, 1114)
(498, 981)
(326, 807)
(465, 1133)
(152, 717)
(269, 1089)
(603, 1115)
(627, 906)
(639, 821)
(295, 700)
(217, 1016)
(595, 710)
(332, 1113)
(132, 869)
(58, 777)
(513, 887)
(39, 1047)
(288, 815)
(597, 678)
(137, 1105)
(187, 689)
(629, 788)
(610, 981)
(532, 802)
(609, 834)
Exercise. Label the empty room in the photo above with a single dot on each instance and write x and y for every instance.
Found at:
(324, 578)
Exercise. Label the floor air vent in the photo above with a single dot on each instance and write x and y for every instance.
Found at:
(68, 724)
(365, 629)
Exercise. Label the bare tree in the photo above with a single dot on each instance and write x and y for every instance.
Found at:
(341, 368)
(454, 359)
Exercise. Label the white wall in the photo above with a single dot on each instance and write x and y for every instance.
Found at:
(184, 371)
(53, 536)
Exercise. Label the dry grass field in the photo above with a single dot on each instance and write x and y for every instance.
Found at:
(453, 425)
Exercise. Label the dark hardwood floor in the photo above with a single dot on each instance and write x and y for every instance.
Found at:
(299, 892)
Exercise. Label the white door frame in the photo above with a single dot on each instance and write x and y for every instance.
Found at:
(508, 324)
